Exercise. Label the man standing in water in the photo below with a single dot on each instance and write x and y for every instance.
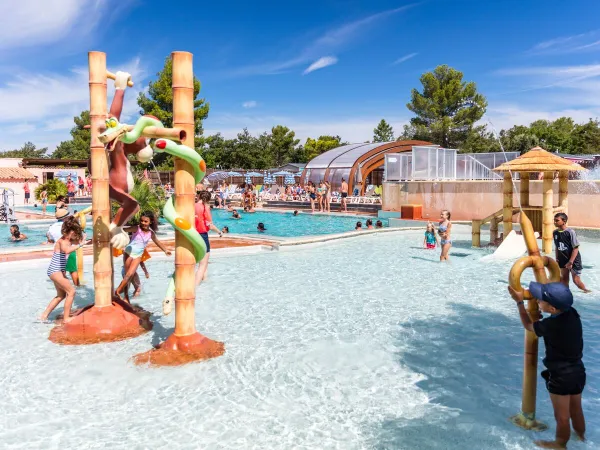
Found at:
(344, 192)
(567, 252)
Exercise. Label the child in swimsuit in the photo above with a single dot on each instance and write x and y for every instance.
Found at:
(444, 230)
(132, 256)
(71, 232)
(430, 241)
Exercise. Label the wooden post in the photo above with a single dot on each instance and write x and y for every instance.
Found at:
(493, 229)
(524, 189)
(103, 273)
(476, 231)
(185, 263)
(547, 216)
(507, 212)
(563, 191)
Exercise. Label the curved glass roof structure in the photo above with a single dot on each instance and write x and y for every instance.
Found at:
(353, 163)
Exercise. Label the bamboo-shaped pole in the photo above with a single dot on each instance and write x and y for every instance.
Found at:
(185, 263)
(547, 216)
(493, 229)
(83, 222)
(563, 191)
(507, 212)
(524, 189)
(476, 233)
(103, 272)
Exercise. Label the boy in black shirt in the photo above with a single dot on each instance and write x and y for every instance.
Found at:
(567, 252)
(565, 372)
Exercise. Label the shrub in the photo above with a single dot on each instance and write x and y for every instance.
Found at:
(54, 188)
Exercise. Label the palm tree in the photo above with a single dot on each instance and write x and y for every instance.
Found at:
(149, 197)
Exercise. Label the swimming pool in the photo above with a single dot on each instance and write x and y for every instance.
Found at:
(36, 234)
(51, 209)
(285, 224)
(364, 343)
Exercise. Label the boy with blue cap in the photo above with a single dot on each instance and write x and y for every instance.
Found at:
(563, 339)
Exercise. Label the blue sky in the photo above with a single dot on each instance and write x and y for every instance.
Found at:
(318, 67)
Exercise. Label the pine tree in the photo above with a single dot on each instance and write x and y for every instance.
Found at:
(383, 133)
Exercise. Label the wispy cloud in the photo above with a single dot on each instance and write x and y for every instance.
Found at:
(537, 78)
(321, 63)
(329, 42)
(583, 42)
(41, 22)
(45, 102)
(404, 58)
(250, 104)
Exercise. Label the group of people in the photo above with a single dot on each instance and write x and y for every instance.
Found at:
(368, 225)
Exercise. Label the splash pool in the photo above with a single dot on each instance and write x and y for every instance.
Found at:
(364, 343)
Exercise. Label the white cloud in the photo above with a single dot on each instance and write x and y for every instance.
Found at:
(328, 42)
(583, 42)
(41, 22)
(249, 104)
(321, 63)
(404, 58)
(45, 101)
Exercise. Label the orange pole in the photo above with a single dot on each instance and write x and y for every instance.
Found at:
(185, 263)
(103, 272)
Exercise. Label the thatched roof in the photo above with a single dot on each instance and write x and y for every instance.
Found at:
(538, 160)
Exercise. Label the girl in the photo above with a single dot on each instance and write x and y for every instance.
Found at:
(321, 196)
(80, 185)
(71, 232)
(88, 182)
(444, 230)
(44, 200)
(132, 256)
(430, 241)
(203, 226)
(327, 197)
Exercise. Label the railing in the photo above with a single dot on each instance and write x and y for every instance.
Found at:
(474, 170)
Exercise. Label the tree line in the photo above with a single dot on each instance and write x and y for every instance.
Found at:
(447, 111)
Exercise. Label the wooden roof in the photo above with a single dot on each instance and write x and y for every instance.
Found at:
(16, 173)
(538, 160)
(54, 162)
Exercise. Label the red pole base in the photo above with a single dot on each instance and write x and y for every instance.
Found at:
(179, 350)
(93, 325)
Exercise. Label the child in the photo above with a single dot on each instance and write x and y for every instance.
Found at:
(358, 226)
(225, 230)
(15, 234)
(71, 232)
(132, 255)
(295, 213)
(369, 224)
(565, 372)
(430, 241)
(236, 215)
(379, 224)
(261, 227)
(567, 252)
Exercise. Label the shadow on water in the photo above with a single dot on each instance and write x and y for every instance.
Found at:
(473, 366)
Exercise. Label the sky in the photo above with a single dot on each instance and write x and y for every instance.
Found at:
(318, 67)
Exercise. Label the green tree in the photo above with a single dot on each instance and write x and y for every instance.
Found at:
(586, 138)
(159, 103)
(480, 140)
(383, 132)
(447, 106)
(314, 147)
(283, 143)
(53, 188)
(79, 145)
(28, 150)
(149, 197)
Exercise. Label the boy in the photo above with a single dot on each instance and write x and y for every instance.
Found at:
(567, 252)
(565, 372)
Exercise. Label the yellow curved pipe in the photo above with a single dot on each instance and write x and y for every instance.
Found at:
(81, 217)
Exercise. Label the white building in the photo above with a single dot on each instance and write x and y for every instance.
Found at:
(15, 171)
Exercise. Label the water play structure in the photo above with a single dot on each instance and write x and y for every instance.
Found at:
(526, 417)
(7, 205)
(536, 160)
(111, 319)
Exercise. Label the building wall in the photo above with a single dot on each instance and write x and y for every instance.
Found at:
(468, 200)
(17, 186)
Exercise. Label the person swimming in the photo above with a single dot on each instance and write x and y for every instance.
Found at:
(15, 233)
(358, 226)
(261, 227)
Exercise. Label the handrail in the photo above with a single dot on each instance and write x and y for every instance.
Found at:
(486, 172)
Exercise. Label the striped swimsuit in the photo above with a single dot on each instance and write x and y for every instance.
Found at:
(58, 263)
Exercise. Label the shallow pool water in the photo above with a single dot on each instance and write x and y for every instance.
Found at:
(51, 209)
(363, 343)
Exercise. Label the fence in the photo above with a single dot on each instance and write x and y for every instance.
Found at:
(434, 163)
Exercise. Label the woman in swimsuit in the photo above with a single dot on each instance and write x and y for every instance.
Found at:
(132, 256)
(444, 230)
(327, 197)
(312, 195)
(204, 224)
(321, 196)
(71, 232)
(44, 199)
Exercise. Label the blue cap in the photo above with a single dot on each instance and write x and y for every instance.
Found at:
(556, 294)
